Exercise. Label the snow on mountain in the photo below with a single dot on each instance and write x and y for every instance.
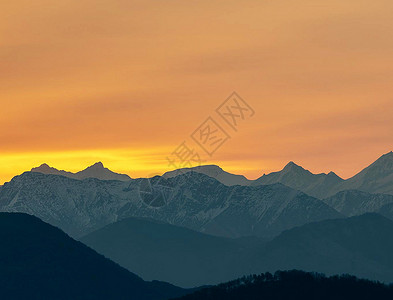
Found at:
(194, 200)
(212, 171)
(243, 210)
(95, 171)
(75, 206)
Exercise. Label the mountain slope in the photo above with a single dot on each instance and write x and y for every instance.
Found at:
(95, 171)
(354, 202)
(294, 176)
(261, 210)
(361, 246)
(386, 211)
(39, 261)
(376, 178)
(192, 200)
(156, 250)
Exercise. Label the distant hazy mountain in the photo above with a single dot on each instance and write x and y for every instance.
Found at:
(294, 176)
(95, 171)
(212, 171)
(377, 178)
(46, 169)
(361, 245)
(39, 261)
(354, 202)
(193, 200)
(294, 285)
(184, 257)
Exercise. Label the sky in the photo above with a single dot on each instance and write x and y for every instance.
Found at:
(127, 82)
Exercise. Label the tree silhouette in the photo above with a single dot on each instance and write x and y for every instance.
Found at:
(295, 285)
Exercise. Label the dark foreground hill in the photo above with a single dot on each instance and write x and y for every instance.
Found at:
(295, 285)
(39, 261)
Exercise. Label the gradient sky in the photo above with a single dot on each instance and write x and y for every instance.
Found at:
(125, 82)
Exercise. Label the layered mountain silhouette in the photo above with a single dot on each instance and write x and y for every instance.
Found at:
(203, 225)
(39, 261)
(94, 171)
(359, 245)
(156, 250)
(376, 178)
(194, 201)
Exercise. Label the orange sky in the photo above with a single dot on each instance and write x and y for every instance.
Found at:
(125, 82)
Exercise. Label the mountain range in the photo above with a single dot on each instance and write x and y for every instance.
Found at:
(376, 178)
(360, 245)
(94, 171)
(197, 199)
(203, 225)
(193, 200)
(157, 250)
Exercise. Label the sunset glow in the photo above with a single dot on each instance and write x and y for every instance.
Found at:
(125, 82)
